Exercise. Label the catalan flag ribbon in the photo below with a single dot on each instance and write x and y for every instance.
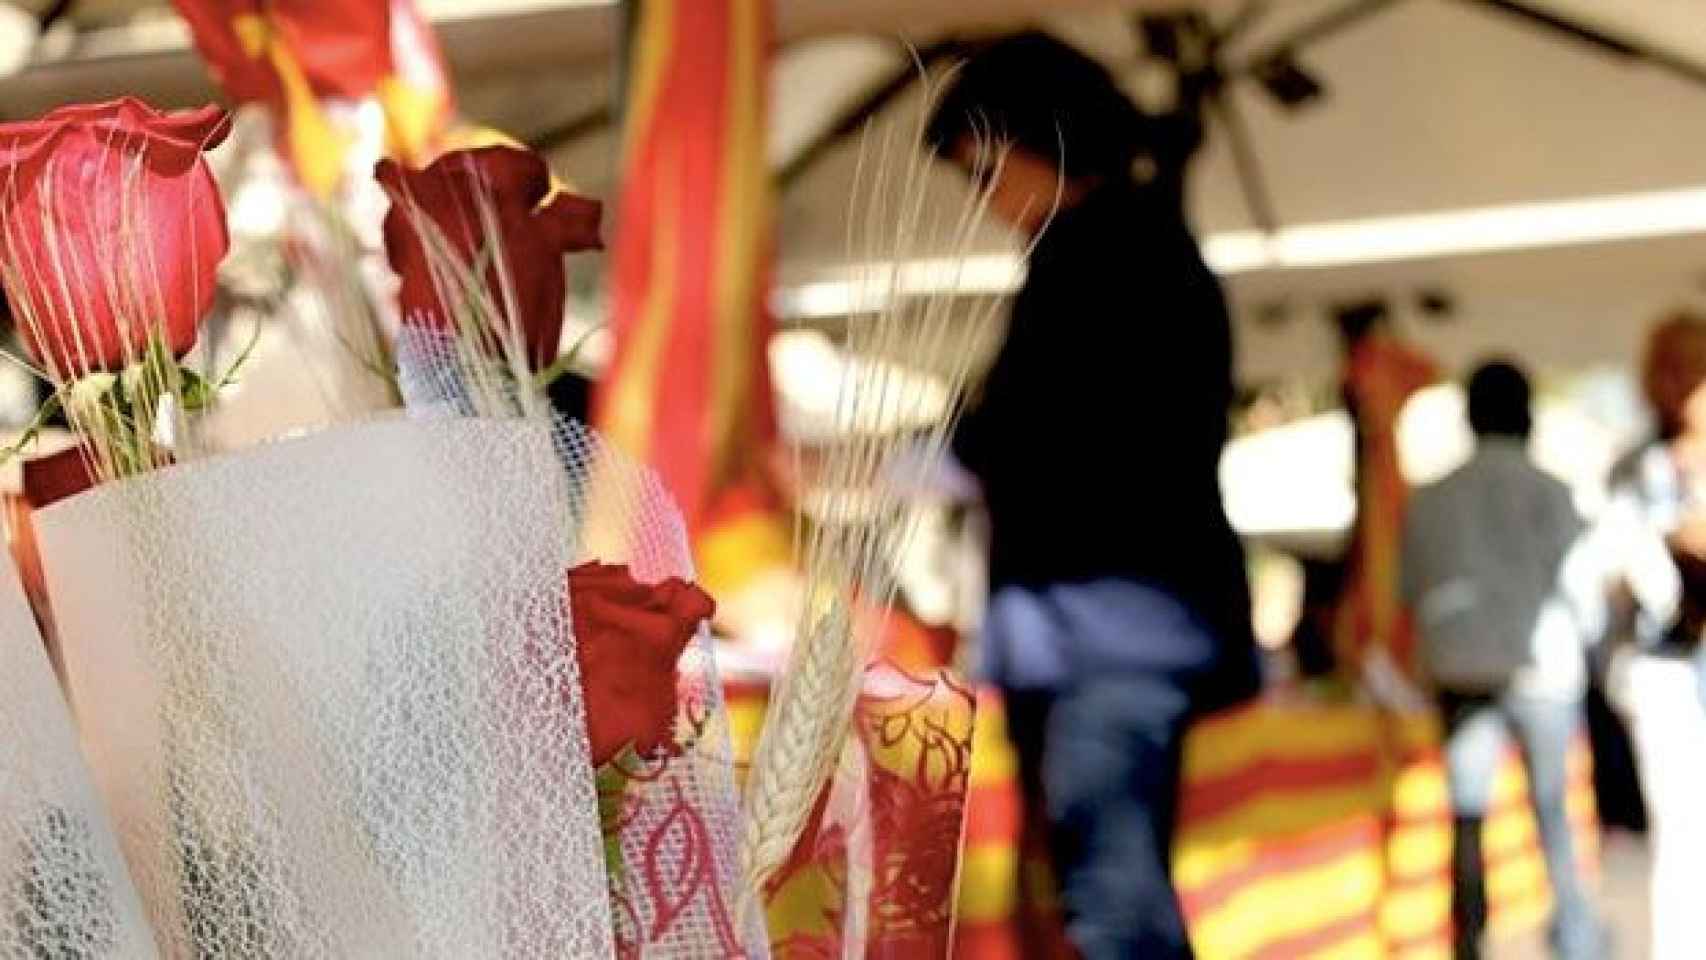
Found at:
(689, 391)
(1382, 374)
(293, 55)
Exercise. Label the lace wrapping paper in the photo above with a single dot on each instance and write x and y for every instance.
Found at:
(64, 891)
(876, 870)
(322, 686)
(679, 820)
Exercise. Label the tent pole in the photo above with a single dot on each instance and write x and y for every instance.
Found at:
(1544, 19)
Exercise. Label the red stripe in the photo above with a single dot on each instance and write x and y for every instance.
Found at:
(995, 815)
(1042, 939)
(1209, 798)
(987, 941)
(1316, 848)
(686, 139)
(1429, 944)
(1321, 938)
(1414, 880)
(695, 111)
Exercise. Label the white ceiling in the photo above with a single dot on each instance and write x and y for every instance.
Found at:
(1432, 105)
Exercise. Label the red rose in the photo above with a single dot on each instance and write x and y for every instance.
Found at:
(628, 637)
(535, 230)
(110, 230)
(339, 49)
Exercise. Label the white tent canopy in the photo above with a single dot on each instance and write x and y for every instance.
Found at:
(1433, 107)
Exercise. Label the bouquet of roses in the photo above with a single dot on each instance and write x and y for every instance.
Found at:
(435, 684)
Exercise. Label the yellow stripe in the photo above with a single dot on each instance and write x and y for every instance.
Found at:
(1419, 790)
(1518, 897)
(993, 761)
(746, 716)
(1419, 851)
(1289, 905)
(735, 551)
(316, 147)
(988, 884)
(743, 230)
(1366, 947)
(1205, 850)
(654, 44)
(1227, 745)
(1415, 912)
(628, 420)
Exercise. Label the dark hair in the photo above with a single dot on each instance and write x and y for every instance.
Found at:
(1356, 318)
(1042, 95)
(1499, 401)
(1674, 368)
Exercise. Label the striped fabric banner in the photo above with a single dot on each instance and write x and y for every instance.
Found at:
(1292, 842)
(689, 389)
(1297, 838)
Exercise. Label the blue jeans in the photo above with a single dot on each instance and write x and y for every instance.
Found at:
(1101, 679)
(1111, 779)
(1477, 728)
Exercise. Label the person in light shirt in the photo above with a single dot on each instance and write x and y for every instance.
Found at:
(1504, 604)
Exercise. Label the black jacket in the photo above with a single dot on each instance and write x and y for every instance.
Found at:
(1099, 432)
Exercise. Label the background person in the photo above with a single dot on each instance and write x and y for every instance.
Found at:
(1119, 607)
(1502, 625)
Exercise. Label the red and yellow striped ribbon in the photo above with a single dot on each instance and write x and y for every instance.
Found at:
(689, 390)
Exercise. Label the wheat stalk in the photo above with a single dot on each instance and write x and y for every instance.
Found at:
(848, 556)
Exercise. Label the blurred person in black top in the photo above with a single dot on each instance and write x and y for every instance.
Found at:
(1118, 607)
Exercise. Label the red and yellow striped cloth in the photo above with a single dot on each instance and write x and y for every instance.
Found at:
(1296, 838)
(689, 389)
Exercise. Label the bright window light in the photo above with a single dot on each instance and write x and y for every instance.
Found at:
(1420, 236)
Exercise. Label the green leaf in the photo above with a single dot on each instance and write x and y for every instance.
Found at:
(560, 366)
(230, 376)
(197, 393)
(159, 373)
(33, 431)
(612, 782)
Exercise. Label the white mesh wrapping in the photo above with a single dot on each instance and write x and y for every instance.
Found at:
(680, 839)
(64, 892)
(328, 690)
(679, 835)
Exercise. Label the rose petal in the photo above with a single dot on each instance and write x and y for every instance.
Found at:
(571, 222)
(461, 194)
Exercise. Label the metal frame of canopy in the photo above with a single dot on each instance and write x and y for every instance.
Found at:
(528, 36)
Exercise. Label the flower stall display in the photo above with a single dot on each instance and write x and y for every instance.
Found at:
(437, 683)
